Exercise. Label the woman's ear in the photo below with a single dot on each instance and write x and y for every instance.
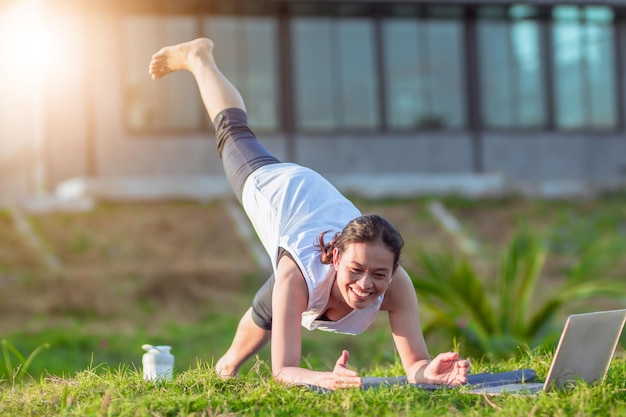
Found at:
(336, 258)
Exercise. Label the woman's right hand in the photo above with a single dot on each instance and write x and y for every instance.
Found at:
(341, 376)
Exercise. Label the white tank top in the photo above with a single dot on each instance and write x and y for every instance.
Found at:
(289, 207)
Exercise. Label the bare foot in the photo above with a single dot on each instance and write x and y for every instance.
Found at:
(180, 57)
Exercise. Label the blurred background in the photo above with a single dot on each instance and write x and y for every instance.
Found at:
(118, 227)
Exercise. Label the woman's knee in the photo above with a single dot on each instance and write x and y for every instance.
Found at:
(231, 125)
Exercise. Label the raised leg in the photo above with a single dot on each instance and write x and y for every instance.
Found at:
(196, 56)
(248, 340)
(219, 94)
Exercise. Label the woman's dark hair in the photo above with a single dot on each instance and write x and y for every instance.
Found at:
(363, 229)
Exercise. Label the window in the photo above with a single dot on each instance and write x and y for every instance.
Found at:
(584, 68)
(424, 73)
(246, 53)
(149, 105)
(511, 83)
(397, 66)
(335, 74)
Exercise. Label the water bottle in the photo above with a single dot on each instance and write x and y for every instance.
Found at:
(158, 363)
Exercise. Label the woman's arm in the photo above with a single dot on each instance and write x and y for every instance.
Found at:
(401, 303)
(289, 301)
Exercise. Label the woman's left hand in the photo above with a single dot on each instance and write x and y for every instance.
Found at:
(447, 369)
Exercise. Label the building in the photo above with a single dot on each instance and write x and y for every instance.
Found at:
(531, 93)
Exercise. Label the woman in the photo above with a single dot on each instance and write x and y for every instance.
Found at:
(337, 285)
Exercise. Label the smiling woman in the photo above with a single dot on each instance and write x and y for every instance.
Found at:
(337, 286)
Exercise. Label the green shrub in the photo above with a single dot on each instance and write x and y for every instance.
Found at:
(492, 321)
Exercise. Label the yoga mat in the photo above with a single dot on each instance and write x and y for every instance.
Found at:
(473, 381)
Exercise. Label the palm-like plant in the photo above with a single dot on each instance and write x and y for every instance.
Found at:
(490, 322)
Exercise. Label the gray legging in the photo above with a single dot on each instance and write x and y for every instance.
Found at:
(241, 155)
(239, 149)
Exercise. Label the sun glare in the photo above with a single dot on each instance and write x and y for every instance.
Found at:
(28, 41)
(33, 47)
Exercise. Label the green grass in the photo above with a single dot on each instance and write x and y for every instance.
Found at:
(121, 391)
(75, 348)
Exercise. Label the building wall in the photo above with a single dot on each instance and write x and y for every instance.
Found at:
(374, 154)
(523, 156)
(87, 132)
(587, 158)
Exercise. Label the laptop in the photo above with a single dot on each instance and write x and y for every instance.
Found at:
(584, 352)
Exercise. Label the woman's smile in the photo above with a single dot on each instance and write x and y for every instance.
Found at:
(359, 293)
(364, 272)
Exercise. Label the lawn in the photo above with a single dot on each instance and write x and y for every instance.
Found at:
(178, 273)
(199, 392)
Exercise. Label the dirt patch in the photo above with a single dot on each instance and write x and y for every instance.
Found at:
(15, 252)
(173, 261)
(182, 261)
(156, 234)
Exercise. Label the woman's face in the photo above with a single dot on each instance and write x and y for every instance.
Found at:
(364, 271)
